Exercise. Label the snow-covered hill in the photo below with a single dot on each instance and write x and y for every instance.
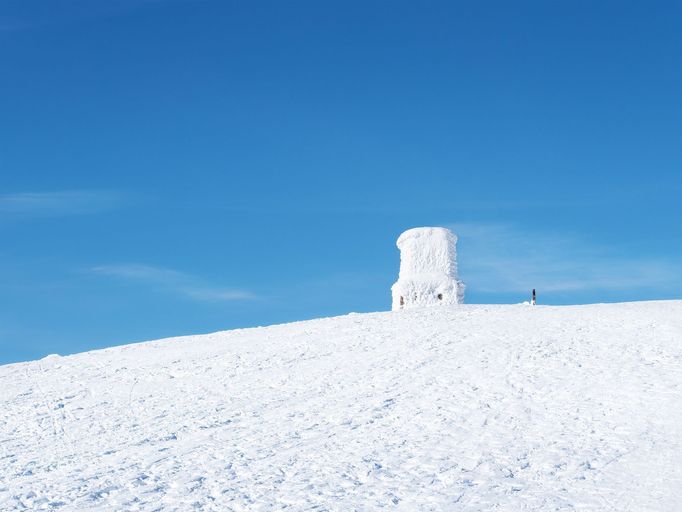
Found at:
(467, 407)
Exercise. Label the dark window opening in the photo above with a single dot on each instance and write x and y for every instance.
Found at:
(402, 301)
(440, 296)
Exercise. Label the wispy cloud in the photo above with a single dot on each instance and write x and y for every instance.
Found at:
(500, 258)
(59, 203)
(180, 283)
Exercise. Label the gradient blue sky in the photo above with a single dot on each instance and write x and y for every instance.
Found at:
(176, 167)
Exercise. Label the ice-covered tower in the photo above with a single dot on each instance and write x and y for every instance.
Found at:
(428, 269)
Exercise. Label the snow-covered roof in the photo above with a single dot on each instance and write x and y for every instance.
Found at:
(427, 250)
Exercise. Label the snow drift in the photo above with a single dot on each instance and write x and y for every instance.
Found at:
(467, 408)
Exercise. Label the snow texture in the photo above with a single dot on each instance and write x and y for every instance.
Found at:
(466, 408)
(428, 269)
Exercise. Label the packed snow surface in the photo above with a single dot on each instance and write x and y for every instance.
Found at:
(466, 407)
(428, 269)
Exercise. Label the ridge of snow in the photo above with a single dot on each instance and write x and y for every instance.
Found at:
(467, 407)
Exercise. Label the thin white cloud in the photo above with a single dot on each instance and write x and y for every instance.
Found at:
(216, 294)
(500, 258)
(179, 283)
(139, 272)
(58, 203)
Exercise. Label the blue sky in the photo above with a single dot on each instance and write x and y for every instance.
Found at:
(176, 167)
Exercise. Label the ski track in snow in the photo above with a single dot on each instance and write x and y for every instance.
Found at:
(468, 407)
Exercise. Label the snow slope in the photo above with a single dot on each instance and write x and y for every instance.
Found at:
(467, 407)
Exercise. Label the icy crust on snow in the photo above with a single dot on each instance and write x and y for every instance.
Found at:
(467, 408)
(428, 269)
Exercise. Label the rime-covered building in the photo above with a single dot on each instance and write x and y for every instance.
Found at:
(428, 269)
